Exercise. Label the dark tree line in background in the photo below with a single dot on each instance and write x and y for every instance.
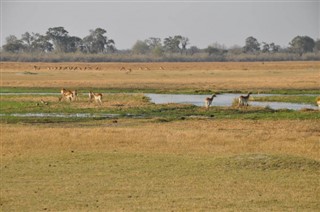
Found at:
(58, 40)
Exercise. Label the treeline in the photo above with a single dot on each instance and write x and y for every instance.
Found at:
(58, 46)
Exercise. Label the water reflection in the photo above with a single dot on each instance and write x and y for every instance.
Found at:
(222, 100)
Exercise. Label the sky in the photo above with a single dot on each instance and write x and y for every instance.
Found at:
(204, 22)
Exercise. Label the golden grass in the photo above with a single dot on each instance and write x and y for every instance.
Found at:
(143, 165)
(218, 137)
(214, 76)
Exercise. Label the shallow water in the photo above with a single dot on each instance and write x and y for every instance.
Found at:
(61, 115)
(198, 100)
(222, 100)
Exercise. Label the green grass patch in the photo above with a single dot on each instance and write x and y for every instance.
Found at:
(134, 106)
(291, 99)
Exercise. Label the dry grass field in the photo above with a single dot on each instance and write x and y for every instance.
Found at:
(215, 76)
(140, 165)
(199, 163)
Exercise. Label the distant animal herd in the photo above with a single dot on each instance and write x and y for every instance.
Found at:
(72, 95)
(75, 68)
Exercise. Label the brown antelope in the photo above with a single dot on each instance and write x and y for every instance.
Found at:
(318, 102)
(208, 101)
(243, 100)
(96, 96)
(36, 68)
(75, 95)
(66, 94)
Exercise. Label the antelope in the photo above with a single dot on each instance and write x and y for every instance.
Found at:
(66, 94)
(43, 102)
(96, 96)
(128, 71)
(75, 95)
(318, 102)
(243, 100)
(36, 68)
(208, 101)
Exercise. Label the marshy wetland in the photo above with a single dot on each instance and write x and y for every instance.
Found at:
(134, 153)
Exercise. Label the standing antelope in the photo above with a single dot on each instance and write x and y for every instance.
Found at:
(96, 96)
(243, 100)
(75, 95)
(318, 102)
(66, 94)
(208, 101)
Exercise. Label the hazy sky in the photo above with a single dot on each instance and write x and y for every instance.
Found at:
(203, 22)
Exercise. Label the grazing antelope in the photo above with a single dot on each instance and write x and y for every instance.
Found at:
(208, 101)
(43, 102)
(243, 100)
(161, 68)
(66, 94)
(96, 96)
(122, 68)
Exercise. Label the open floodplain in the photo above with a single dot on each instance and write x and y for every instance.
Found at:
(130, 154)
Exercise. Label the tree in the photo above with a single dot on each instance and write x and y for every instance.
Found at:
(193, 49)
(27, 40)
(274, 48)
(153, 42)
(216, 49)
(41, 43)
(158, 51)
(111, 46)
(59, 37)
(155, 46)
(265, 47)
(184, 42)
(302, 44)
(252, 45)
(317, 46)
(140, 47)
(73, 44)
(212, 50)
(13, 44)
(97, 42)
(171, 44)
